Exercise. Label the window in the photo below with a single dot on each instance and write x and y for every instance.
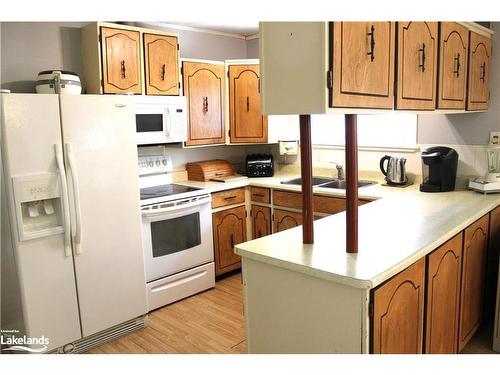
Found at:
(394, 130)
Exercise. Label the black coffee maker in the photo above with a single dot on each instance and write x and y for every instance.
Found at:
(439, 169)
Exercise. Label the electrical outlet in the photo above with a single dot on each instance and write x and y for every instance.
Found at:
(494, 138)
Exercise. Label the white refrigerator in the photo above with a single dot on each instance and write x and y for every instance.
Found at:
(72, 261)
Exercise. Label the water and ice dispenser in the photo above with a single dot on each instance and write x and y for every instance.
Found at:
(38, 205)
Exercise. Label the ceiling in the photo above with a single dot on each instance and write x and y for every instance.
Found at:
(245, 28)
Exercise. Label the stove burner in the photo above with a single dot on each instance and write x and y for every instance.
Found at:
(165, 190)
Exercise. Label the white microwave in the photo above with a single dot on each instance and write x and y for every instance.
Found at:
(160, 119)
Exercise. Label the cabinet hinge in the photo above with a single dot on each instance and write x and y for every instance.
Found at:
(178, 46)
(227, 73)
(329, 80)
(179, 84)
(182, 70)
(272, 217)
(100, 38)
(246, 213)
(258, 82)
(370, 309)
(229, 132)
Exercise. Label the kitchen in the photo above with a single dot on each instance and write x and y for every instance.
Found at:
(185, 277)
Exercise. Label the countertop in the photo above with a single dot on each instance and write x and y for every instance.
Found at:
(397, 229)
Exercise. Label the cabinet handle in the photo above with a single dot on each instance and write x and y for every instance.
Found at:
(232, 241)
(205, 104)
(123, 70)
(422, 51)
(371, 34)
(248, 104)
(230, 197)
(457, 63)
(483, 72)
(163, 70)
(258, 195)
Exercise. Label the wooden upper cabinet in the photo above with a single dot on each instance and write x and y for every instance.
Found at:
(479, 72)
(203, 85)
(284, 220)
(363, 64)
(161, 64)
(398, 312)
(247, 124)
(261, 221)
(120, 61)
(443, 297)
(473, 279)
(452, 85)
(229, 229)
(417, 65)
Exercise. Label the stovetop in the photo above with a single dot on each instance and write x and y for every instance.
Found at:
(168, 190)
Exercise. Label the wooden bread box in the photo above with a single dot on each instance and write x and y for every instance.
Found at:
(209, 169)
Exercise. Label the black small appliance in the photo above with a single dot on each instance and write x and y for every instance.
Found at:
(259, 165)
(439, 169)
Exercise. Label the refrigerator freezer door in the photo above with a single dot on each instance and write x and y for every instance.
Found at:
(30, 129)
(99, 136)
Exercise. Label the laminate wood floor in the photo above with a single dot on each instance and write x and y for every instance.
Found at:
(213, 322)
(208, 322)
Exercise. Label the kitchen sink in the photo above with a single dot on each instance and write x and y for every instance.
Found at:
(315, 180)
(326, 182)
(341, 184)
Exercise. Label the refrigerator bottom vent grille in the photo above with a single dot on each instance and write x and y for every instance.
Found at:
(88, 343)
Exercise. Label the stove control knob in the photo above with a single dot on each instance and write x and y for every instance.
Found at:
(158, 163)
(164, 161)
(151, 164)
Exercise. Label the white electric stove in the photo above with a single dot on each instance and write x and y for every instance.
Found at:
(177, 234)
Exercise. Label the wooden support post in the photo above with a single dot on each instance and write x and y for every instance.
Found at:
(306, 174)
(351, 160)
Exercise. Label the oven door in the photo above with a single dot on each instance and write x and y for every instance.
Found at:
(177, 236)
(151, 124)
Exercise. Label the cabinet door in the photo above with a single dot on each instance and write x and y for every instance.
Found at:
(417, 65)
(229, 227)
(443, 297)
(452, 86)
(492, 262)
(363, 64)
(247, 124)
(284, 220)
(479, 72)
(398, 312)
(473, 279)
(203, 85)
(161, 64)
(261, 221)
(120, 61)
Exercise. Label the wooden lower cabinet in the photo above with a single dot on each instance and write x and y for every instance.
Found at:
(473, 279)
(284, 220)
(261, 221)
(492, 263)
(398, 312)
(229, 229)
(443, 297)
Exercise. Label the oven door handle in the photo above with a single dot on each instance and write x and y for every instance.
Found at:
(160, 211)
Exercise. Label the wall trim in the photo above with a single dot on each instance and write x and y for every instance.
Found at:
(253, 36)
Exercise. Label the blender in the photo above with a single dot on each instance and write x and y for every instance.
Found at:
(490, 183)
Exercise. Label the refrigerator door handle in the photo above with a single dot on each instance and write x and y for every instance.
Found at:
(64, 199)
(76, 195)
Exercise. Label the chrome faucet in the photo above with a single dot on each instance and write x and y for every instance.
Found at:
(340, 170)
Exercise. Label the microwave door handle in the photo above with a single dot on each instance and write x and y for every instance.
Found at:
(65, 200)
(160, 211)
(168, 123)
